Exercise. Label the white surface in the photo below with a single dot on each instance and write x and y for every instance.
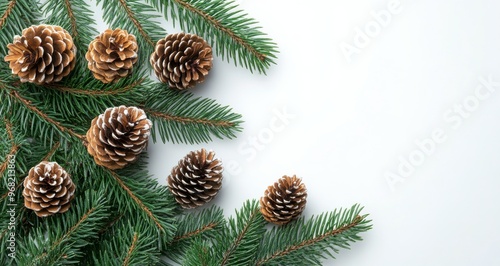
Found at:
(353, 120)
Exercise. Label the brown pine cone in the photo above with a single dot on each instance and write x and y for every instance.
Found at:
(48, 189)
(117, 137)
(197, 179)
(182, 60)
(284, 201)
(111, 55)
(43, 54)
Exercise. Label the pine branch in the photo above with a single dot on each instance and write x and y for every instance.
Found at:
(7, 12)
(232, 33)
(179, 117)
(203, 225)
(61, 239)
(242, 237)
(45, 117)
(305, 242)
(94, 92)
(127, 244)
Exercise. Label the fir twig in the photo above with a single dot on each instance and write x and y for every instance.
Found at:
(134, 20)
(138, 201)
(72, 19)
(7, 12)
(307, 241)
(232, 33)
(45, 117)
(52, 151)
(130, 250)
(83, 91)
(180, 117)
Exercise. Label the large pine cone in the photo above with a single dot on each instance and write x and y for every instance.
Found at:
(112, 55)
(43, 54)
(48, 189)
(118, 136)
(284, 201)
(197, 179)
(182, 60)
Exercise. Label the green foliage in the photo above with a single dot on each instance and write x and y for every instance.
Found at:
(180, 117)
(226, 27)
(59, 241)
(193, 228)
(306, 242)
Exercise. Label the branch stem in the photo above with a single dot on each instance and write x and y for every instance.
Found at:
(7, 12)
(312, 241)
(136, 22)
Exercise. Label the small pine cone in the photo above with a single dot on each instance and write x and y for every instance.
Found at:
(117, 137)
(197, 179)
(48, 189)
(284, 201)
(182, 60)
(43, 54)
(111, 55)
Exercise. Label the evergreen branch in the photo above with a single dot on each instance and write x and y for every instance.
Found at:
(310, 242)
(61, 239)
(138, 25)
(127, 244)
(51, 152)
(180, 117)
(190, 227)
(7, 12)
(242, 236)
(72, 19)
(45, 117)
(225, 27)
(138, 201)
(199, 231)
(307, 241)
(218, 25)
(83, 91)
(189, 120)
(130, 250)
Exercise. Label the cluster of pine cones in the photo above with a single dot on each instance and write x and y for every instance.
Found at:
(45, 54)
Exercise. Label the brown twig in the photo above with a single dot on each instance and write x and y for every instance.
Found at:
(7, 12)
(46, 117)
(137, 24)
(131, 249)
(72, 19)
(312, 241)
(221, 27)
(187, 120)
(137, 200)
(70, 231)
(205, 228)
(238, 239)
(52, 151)
(95, 92)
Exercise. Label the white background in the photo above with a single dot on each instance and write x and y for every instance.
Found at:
(354, 120)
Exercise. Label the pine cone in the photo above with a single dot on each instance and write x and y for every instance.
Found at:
(118, 136)
(112, 55)
(197, 179)
(182, 60)
(284, 201)
(43, 54)
(48, 189)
